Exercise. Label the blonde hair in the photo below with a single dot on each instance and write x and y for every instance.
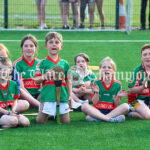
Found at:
(4, 48)
(144, 47)
(85, 56)
(6, 61)
(111, 62)
(51, 35)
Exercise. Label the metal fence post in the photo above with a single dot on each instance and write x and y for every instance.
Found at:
(117, 14)
(6, 14)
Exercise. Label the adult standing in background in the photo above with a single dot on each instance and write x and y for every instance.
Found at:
(41, 13)
(99, 4)
(143, 14)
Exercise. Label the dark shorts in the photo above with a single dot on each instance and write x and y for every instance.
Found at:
(105, 111)
(1, 115)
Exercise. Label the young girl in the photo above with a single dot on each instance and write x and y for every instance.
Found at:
(140, 87)
(53, 44)
(83, 90)
(22, 105)
(107, 96)
(26, 67)
(8, 98)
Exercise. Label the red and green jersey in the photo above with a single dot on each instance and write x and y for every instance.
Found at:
(137, 79)
(107, 94)
(27, 72)
(8, 94)
(48, 93)
(90, 76)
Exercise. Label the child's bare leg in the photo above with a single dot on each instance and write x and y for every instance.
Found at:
(29, 98)
(93, 112)
(8, 121)
(41, 118)
(100, 11)
(91, 12)
(75, 97)
(23, 121)
(22, 105)
(120, 110)
(64, 118)
(144, 111)
(136, 115)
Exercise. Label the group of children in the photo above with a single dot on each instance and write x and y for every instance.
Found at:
(30, 81)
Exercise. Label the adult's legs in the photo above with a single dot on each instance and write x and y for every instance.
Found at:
(43, 6)
(91, 12)
(143, 13)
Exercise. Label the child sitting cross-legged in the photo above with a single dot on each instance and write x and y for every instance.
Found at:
(8, 98)
(107, 95)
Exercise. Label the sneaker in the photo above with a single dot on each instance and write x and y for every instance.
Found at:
(90, 27)
(43, 26)
(91, 119)
(81, 26)
(118, 119)
(102, 27)
(65, 27)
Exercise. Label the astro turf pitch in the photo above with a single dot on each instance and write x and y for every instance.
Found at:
(80, 135)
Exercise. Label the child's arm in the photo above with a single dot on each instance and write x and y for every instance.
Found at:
(95, 89)
(121, 93)
(140, 89)
(14, 107)
(69, 85)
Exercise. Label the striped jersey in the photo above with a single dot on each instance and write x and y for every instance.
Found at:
(107, 95)
(8, 94)
(27, 72)
(138, 76)
(48, 93)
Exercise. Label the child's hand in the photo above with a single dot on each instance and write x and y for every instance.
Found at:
(94, 87)
(145, 82)
(123, 93)
(83, 89)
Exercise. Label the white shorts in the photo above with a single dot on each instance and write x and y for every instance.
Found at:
(50, 108)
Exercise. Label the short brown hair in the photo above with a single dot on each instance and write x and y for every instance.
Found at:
(51, 35)
(4, 48)
(29, 37)
(85, 56)
(144, 47)
(6, 61)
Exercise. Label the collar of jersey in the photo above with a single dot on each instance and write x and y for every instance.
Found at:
(4, 87)
(29, 64)
(55, 62)
(107, 88)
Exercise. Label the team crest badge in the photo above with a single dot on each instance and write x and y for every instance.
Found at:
(12, 95)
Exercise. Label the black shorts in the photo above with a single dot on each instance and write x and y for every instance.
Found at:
(105, 111)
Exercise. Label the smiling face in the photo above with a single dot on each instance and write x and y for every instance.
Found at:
(28, 48)
(80, 61)
(53, 46)
(4, 72)
(146, 57)
(106, 70)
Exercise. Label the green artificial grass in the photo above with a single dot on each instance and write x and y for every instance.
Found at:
(79, 134)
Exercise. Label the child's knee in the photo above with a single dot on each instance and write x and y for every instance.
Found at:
(40, 120)
(13, 122)
(26, 105)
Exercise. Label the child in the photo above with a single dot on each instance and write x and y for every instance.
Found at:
(83, 91)
(22, 105)
(53, 44)
(140, 87)
(26, 67)
(8, 98)
(107, 96)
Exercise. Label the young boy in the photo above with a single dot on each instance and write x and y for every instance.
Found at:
(140, 87)
(53, 44)
(8, 98)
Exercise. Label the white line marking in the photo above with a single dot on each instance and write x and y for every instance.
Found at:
(89, 41)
